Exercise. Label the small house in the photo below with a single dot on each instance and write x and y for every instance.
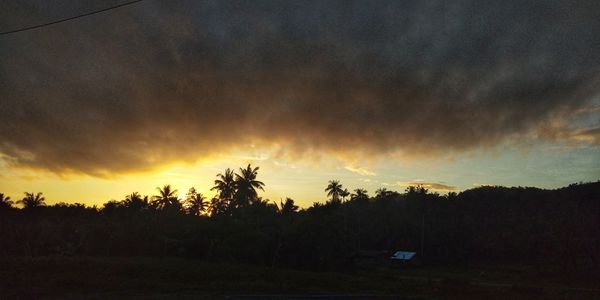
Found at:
(404, 258)
(403, 255)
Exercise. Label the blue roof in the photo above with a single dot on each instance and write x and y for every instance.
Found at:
(403, 255)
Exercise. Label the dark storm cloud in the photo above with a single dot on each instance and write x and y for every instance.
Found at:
(177, 80)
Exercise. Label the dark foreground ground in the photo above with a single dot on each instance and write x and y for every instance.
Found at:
(152, 278)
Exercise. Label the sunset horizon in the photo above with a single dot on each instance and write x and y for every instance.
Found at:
(415, 149)
(305, 186)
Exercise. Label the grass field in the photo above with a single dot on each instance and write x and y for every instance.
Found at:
(153, 278)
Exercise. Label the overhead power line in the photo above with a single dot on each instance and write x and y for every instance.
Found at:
(70, 18)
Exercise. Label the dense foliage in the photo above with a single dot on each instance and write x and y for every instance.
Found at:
(482, 225)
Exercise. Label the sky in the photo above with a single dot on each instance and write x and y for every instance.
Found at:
(447, 94)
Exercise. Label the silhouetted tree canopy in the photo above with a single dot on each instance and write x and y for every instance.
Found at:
(166, 199)
(334, 190)
(195, 203)
(225, 187)
(5, 202)
(488, 224)
(246, 185)
(32, 200)
(359, 195)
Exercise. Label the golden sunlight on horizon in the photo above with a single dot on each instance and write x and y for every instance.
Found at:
(375, 96)
(302, 180)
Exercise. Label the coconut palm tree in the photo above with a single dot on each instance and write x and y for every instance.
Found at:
(5, 201)
(334, 190)
(32, 201)
(217, 207)
(195, 202)
(246, 186)
(344, 193)
(287, 207)
(225, 186)
(166, 198)
(134, 201)
(360, 195)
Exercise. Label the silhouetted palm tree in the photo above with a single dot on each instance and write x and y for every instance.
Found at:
(31, 201)
(246, 185)
(287, 207)
(195, 202)
(334, 190)
(344, 193)
(133, 197)
(225, 185)
(134, 201)
(166, 198)
(5, 201)
(360, 195)
(217, 207)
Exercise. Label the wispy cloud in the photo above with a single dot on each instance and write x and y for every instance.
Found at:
(591, 135)
(361, 171)
(251, 157)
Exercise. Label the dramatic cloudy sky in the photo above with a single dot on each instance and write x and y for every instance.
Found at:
(450, 94)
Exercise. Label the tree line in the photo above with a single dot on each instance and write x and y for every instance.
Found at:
(491, 225)
(234, 190)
